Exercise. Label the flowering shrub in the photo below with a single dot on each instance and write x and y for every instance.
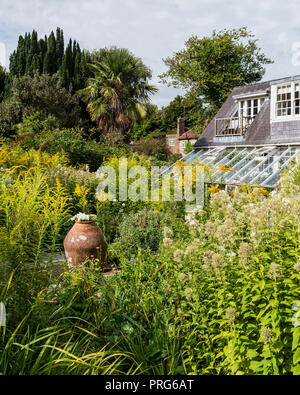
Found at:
(31, 214)
(83, 217)
(222, 301)
(16, 156)
(140, 230)
(212, 292)
(71, 177)
(243, 262)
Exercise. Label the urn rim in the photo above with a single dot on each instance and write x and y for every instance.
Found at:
(91, 221)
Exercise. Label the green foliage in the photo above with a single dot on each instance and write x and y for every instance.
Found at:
(164, 121)
(48, 55)
(46, 95)
(2, 82)
(117, 92)
(192, 109)
(15, 156)
(149, 126)
(215, 292)
(140, 230)
(211, 67)
(10, 114)
(152, 146)
(52, 337)
(188, 147)
(31, 214)
(45, 135)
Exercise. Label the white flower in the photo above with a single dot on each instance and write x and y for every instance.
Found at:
(83, 217)
(285, 201)
(231, 254)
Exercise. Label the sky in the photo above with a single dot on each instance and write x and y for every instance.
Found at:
(155, 29)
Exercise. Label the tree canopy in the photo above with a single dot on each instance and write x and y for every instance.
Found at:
(210, 67)
(117, 93)
(2, 82)
(42, 94)
(48, 55)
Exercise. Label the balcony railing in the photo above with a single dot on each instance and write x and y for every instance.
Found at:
(234, 126)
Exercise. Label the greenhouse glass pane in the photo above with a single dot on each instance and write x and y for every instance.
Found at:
(225, 156)
(272, 167)
(251, 165)
(248, 162)
(259, 164)
(196, 155)
(232, 161)
(206, 157)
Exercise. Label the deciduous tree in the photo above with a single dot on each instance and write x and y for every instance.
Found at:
(210, 67)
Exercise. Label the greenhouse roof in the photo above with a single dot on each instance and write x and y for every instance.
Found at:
(243, 165)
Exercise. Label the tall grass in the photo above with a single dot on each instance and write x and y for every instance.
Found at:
(31, 214)
(62, 348)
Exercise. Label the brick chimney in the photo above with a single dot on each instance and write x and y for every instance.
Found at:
(180, 126)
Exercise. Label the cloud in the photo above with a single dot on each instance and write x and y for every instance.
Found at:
(154, 29)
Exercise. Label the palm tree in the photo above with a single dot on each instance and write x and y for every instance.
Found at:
(117, 93)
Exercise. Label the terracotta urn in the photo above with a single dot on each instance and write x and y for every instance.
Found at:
(84, 240)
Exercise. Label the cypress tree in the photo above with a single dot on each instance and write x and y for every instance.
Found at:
(32, 60)
(69, 59)
(21, 57)
(47, 55)
(36, 65)
(64, 72)
(77, 71)
(50, 61)
(13, 67)
(2, 82)
(59, 46)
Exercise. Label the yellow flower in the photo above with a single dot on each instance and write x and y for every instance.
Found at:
(81, 191)
(214, 188)
(225, 168)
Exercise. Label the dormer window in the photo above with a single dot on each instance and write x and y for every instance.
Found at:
(284, 101)
(244, 113)
(287, 100)
(297, 99)
(251, 107)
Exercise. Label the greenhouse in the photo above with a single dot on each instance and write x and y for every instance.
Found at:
(254, 135)
(244, 165)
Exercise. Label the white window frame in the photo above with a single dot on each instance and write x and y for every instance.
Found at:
(172, 142)
(243, 109)
(274, 90)
(183, 144)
